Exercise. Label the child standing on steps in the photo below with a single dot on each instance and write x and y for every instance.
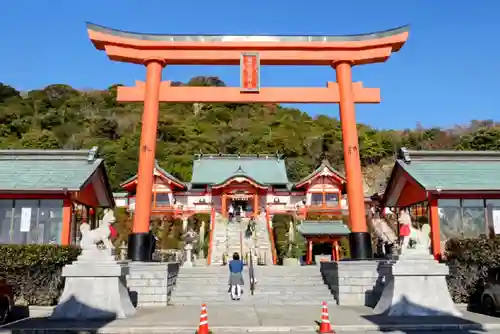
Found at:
(236, 277)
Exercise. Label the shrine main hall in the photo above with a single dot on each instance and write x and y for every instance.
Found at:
(251, 184)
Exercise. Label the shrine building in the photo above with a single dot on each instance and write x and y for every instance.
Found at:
(258, 184)
(43, 191)
(456, 192)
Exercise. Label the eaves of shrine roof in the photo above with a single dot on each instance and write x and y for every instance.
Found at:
(35, 171)
(239, 175)
(324, 164)
(163, 172)
(262, 169)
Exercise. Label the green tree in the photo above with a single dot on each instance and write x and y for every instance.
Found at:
(483, 139)
(59, 116)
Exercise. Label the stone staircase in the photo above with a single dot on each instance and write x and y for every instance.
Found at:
(234, 235)
(260, 242)
(219, 240)
(276, 285)
(229, 237)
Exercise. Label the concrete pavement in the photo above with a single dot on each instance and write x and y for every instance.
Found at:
(234, 318)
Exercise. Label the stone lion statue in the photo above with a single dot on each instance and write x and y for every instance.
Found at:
(98, 239)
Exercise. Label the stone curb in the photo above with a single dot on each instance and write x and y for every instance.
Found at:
(262, 329)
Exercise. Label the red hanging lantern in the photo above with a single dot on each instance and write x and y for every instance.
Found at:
(91, 211)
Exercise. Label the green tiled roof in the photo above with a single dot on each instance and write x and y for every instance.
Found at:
(323, 227)
(120, 195)
(47, 170)
(161, 171)
(262, 169)
(452, 170)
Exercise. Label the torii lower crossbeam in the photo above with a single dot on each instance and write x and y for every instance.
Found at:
(183, 94)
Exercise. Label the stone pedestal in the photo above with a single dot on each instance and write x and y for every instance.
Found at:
(95, 288)
(151, 284)
(353, 283)
(416, 287)
(291, 262)
(188, 262)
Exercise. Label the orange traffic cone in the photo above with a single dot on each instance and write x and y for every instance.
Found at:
(325, 326)
(203, 328)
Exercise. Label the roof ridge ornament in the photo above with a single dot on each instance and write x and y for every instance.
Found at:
(92, 154)
(404, 154)
(239, 170)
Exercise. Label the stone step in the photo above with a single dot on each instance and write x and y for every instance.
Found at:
(260, 280)
(262, 276)
(257, 296)
(284, 281)
(317, 294)
(259, 285)
(248, 302)
(257, 272)
(263, 300)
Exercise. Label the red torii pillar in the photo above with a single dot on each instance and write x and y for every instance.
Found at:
(340, 52)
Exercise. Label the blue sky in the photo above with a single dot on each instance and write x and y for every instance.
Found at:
(447, 73)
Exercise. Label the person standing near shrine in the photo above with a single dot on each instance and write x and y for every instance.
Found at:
(404, 229)
(236, 277)
(153, 241)
(231, 212)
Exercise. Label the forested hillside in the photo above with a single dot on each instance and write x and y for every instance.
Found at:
(59, 116)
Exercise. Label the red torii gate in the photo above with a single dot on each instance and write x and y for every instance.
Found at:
(157, 51)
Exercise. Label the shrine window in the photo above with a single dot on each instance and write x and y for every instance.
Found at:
(325, 199)
(331, 199)
(462, 218)
(28, 221)
(317, 199)
(162, 200)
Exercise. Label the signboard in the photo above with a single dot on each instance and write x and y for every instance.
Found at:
(240, 198)
(250, 72)
(25, 219)
(496, 220)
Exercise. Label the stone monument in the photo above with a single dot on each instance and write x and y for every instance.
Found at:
(189, 238)
(201, 261)
(95, 286)
(416, 283)
(201, 240)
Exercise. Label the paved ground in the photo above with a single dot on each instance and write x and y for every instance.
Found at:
(237, 319)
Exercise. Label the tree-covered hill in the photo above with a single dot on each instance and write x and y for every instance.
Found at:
(59, 116)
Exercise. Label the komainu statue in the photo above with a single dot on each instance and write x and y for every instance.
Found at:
(96, 242)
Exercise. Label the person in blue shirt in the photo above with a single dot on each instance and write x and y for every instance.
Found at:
(236, 277)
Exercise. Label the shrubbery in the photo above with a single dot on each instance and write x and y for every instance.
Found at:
(469, 260)
(34, 271)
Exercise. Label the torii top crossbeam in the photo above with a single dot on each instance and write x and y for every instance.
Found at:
(359, 49)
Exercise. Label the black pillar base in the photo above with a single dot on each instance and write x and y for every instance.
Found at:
(139, 247)
(361, 245)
